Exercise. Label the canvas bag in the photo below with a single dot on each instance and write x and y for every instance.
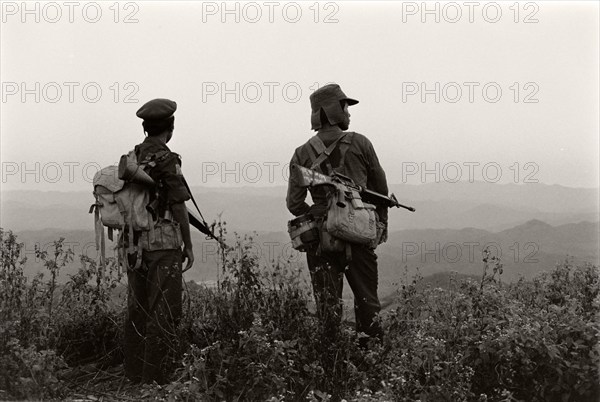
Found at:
(120, 205)
(348, 217)
(351, 219)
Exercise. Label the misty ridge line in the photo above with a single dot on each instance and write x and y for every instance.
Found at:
(251, 186)
(213, 174)
(416, 232)
(533, 197)
(439, 205)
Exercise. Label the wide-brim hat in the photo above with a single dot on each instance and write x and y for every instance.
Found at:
(327, 95)
(328, 98)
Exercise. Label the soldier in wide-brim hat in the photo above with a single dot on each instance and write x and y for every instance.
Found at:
(352, 155)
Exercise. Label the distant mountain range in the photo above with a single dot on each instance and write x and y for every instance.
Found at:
(525, 250)
(531, 226)
(489, 206)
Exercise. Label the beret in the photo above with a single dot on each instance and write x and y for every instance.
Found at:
(157, 109)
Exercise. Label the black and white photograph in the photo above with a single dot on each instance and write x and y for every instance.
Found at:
(300, 201)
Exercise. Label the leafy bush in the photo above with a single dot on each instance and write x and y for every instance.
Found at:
(88, 325)
(44, 326)
(254, 335)
(524, 341)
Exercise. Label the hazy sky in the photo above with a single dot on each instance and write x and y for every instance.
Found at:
(241, 75)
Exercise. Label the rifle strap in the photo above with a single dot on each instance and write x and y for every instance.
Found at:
(99, 229)
(194, 201)
(323, 152)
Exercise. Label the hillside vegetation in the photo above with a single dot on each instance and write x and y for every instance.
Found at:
(253, 337)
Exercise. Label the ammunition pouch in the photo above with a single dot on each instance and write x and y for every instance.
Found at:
(351, 219)
(166, 235)
(304, 232)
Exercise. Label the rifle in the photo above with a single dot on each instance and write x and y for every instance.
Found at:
(202, 226)
(306, 177)
(200, 223)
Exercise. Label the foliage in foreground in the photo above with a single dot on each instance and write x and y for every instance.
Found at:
(253, 336)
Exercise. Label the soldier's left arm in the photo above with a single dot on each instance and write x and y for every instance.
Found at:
(176, 195)
(296, 195)
(376, 180)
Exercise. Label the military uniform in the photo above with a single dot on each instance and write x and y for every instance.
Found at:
(360, 163)
(155, 288)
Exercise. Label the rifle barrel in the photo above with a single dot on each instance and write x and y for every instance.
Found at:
(397, 204)
(411, 209)
(195, 222)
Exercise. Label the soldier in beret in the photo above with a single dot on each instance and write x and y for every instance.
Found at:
(353, 156)
(155, 288)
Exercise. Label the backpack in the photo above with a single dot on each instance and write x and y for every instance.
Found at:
(122, 205)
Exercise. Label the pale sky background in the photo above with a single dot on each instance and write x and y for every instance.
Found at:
(176, 50)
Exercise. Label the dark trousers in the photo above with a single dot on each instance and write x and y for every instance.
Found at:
(153, 313)
(327, 276)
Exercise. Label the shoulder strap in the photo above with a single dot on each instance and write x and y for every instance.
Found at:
(317, 144)
(346, 141)
(324, 153)
(316, 149)
(152, 159)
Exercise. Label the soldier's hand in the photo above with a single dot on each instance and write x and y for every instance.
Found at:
(188, 255)
(384, 235)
